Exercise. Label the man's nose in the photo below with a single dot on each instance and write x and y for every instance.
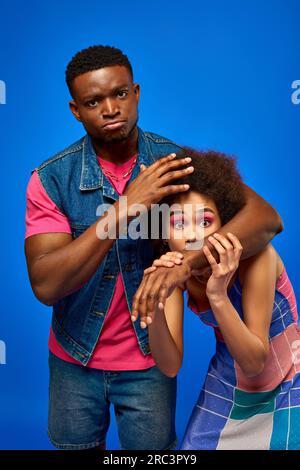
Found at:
(110, 108)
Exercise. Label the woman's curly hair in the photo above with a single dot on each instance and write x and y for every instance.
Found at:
(215, 176)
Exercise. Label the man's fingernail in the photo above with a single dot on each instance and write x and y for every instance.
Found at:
(143, 324)
(133, 318)
(149, 320)
(160, 305)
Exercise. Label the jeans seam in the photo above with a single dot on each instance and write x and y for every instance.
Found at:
(172, 446)
(75, 446)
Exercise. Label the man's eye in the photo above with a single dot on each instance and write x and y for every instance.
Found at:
(92, 103)
(122, 93)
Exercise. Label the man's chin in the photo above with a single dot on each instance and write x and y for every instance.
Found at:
(115, 137)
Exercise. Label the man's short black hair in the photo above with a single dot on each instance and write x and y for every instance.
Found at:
(94, 58)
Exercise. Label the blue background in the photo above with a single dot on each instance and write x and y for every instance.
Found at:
(213, 74)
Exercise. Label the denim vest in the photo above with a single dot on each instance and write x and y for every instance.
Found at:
(73, 179)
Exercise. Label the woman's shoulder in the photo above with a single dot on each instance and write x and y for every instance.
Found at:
(267, 257)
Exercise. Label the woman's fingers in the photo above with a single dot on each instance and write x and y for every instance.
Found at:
(220, 249)
(172, 256)
(229, 257)
(149, 270)
(178, 254)
(168, 263)
(210, 258)
(168, 260)
(235, 241)
(237, 245)
(229, 249)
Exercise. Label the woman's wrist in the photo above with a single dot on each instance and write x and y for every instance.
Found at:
(218, 300)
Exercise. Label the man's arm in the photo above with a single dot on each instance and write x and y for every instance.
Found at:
(58, 265)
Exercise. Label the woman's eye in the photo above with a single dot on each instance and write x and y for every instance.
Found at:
(178, 225)
(204, 223)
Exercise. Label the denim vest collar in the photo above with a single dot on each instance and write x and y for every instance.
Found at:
(92, 176)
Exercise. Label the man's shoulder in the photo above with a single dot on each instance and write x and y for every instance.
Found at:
(70, 151)
(159, 139)
(159, 146)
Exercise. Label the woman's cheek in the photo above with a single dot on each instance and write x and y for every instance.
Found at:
(176, 244)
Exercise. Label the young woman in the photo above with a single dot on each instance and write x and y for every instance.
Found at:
(251, 395)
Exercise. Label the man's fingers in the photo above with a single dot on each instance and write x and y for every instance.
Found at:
(150, 299)
(173, 189)
(162, 296)
(168, 166)
(136, 300)
(162, 161)
(173, 175)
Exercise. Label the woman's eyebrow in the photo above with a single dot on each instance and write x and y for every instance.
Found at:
(205, 209)
(181, 212)
(176, 212)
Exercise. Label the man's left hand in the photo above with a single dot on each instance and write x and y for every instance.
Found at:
(154, 290)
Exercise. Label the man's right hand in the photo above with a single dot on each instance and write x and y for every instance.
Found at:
(156, 182)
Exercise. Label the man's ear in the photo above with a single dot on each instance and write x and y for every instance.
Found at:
(74, 109)
(137, 90)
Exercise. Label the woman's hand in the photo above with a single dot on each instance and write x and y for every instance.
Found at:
(168, 260)
(230, 250)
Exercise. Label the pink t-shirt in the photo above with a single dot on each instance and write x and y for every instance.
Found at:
(117, 347)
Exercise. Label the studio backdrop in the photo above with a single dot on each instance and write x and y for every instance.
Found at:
(223, 75)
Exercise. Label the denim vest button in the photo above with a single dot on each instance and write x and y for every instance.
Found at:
(99, 314)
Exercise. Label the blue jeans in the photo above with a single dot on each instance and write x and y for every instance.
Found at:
(79, 407)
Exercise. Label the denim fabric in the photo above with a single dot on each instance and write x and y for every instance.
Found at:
(79, 407)
(74, 181)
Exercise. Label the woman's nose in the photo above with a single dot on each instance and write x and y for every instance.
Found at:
(190, 235)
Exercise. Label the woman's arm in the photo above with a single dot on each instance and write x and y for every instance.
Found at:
(247, 339)
(166, 335)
